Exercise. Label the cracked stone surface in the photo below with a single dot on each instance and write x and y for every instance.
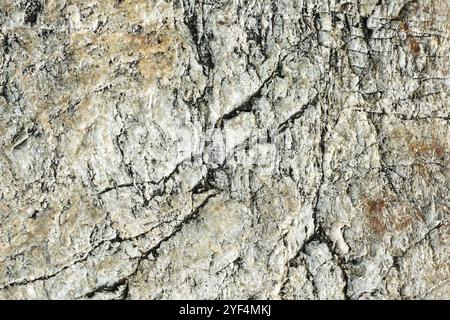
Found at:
(224, 149)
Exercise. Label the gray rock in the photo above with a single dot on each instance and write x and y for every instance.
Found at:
(285, 149)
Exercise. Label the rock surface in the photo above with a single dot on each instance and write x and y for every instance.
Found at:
(203, 149)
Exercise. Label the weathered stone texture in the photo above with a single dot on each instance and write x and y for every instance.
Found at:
(282, 149)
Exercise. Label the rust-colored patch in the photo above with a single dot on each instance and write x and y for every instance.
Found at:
(424, 171)
(375, 216)
(439, 149)
(404, 26)
(431, 147)
(154, 52)
(389, 214)
(414, 46)
(403, 222)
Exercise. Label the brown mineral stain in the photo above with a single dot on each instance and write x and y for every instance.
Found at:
(154, 51)
(427, 147)
(145, 58)
(414, 46)
(375, 215)
(404, 26)
(424, 171)
(402, 222)
(153, 47)
(27, 40)
(422, 140)
(389, 214)
(33, 231)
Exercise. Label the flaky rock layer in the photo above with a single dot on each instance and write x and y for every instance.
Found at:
(226, 149)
